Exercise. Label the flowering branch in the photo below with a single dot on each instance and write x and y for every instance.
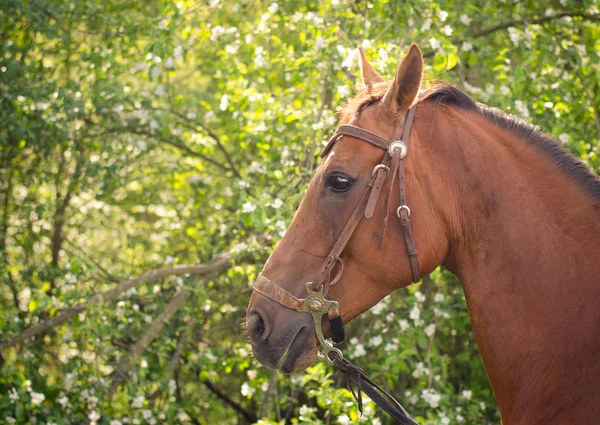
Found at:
(140, 346)
(517, 22)
(219, 265)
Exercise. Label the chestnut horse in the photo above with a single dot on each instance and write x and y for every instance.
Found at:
(514, 216)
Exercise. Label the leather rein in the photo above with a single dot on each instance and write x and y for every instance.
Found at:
(392, 164)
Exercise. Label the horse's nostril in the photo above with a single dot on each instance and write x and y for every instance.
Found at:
(257, 327)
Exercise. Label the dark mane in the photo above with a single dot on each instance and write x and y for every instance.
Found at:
(446, 94)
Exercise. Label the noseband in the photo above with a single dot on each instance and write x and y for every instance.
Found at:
(393, 163)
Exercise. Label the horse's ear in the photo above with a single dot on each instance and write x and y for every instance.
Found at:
(367, 72)
(403, 91)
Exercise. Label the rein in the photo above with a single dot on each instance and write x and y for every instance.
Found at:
(393, 163)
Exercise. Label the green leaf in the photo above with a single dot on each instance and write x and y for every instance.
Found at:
(452, 61)
(439, 62)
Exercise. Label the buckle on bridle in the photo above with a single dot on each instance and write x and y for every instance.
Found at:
(398, 147)
(380, 167)
(403, 207)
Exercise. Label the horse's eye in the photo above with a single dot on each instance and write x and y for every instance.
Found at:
(340, 183)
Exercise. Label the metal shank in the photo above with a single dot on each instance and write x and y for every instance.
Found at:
(317, 305)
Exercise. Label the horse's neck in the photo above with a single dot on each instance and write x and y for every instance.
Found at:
(526, 249)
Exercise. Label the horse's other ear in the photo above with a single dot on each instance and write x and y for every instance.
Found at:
(403, 91)
(367, 72)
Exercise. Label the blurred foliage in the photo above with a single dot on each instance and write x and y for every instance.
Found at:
(141, 135)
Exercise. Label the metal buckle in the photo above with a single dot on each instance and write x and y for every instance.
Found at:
(317, 305)
(402, 207)
(380, 167)
(398, 147)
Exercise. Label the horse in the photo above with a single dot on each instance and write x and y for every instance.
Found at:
(498, 203)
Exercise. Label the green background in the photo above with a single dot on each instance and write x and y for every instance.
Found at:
(146, 135)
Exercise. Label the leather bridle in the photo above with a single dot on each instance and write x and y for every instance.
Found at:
(392, 164)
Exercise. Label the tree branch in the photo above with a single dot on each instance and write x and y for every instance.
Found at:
(533, 21)
(248, 415)
(218, 265)
(175, 144)
(140, 346)
(59, 215)
(518, 22)
(193, 125)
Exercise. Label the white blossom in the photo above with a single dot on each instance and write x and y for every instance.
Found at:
(521, 108)
(415, 313)
(116, 422)
(404, 325)
(459, 418)
(138, 401)
(466, 46)
(464, 19)
(564, 138)
(319, 43)
(426, 25)
(155, 72)
(438, 298)
(378, 308)
(94, 416)
(447, 30)
(178, 53)
(445, 420)
(277, 203)
(434, 43)
(390, 347)
(247, 390)
(442, 15)
(420, 370)
(430, 330)
(37, 398)
(359, 350)
(419, 297)
(504, 90)
(467, 394)
(224, 102)
(514, 35)
(248, 207)
(376, 341)
(305, 410)
(13, 395)
(343, 91)
(431, 397)
(344, 420)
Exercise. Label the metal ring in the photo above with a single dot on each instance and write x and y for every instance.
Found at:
(398, 146)
(380, 167)
(402, 207)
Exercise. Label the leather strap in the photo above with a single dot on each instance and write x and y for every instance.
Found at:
(403, 211)
(357, 377)
(358, 133)
(271, 290)
(343, 239)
